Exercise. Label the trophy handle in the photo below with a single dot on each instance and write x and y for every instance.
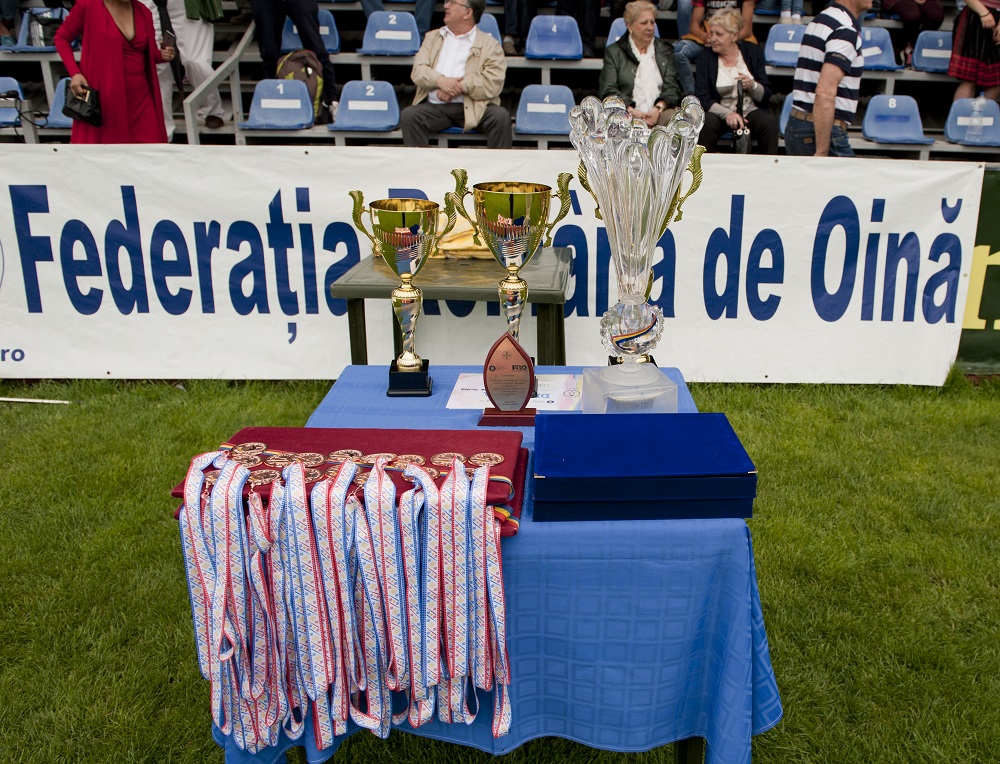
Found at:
(449, 210)
(359, 207)
(459, 194)
(694, 167)
(581, 174)
(562, 192)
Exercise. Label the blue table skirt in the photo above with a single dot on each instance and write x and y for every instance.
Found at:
(623, 636)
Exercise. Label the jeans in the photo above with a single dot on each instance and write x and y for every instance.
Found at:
(800, 139)
(685, 53)
(683, 17)
(422, 12)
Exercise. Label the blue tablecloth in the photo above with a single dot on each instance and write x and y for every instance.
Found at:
(622, 635)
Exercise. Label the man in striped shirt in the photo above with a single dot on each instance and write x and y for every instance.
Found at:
(827, 81)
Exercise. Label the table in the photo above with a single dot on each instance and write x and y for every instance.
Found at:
(467, 279)
(622, 635)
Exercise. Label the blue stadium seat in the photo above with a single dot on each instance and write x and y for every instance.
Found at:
(960, 120)
(933, 51)
(8, 115)
(618, 30)
(786, 113)
(56, 118)
(488, 23)
(782, 46)
(279, 105)
(390, 33)
(876, 47)
(894, 119)
(553, 37)
(23, 39)
(290, 39)
(367, 105)
(544, 109)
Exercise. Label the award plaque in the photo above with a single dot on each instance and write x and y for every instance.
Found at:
(404, 234)
(634, 173)
(512, 218)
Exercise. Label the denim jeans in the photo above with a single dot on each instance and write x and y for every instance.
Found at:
(685, 52)
(800, 139)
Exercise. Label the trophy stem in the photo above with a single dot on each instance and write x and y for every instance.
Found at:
(406, 303)
(513, 292)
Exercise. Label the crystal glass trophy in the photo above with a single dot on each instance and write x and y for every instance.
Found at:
(405, 232)
(634, 173)
(512, 218)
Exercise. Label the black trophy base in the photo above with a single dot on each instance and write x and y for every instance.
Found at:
(614, 360)
(498, 418)
(410, 384)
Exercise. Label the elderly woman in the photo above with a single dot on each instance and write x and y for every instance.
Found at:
(723, 64)
(639, 68)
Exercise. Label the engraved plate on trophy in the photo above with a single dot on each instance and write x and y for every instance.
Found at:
(509, 377)
(405, 232)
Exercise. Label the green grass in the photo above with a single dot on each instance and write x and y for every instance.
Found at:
(876, 534)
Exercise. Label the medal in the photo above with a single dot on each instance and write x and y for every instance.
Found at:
(247, 460)
(210, 477)
(410, 459)
(445, 459)
(243, 449)
(310, 459)
(361, 477)
(429, 470)
(370, 458)
(487, 458)
(312, 475)
(263, 476)
(279, 460)
(344, 454)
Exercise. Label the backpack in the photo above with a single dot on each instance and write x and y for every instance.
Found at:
(303, 65)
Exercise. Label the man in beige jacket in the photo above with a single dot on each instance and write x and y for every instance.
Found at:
(459, 72)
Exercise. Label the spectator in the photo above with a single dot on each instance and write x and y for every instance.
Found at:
(724, 63)
(422, 12)
(512, 31)
(269, 15)
(118, 60)
(827, 79)
(459, 73)
(975, 57)
(687, 50)
(195, 43)
(8, 13)
(585, 12)
(916, 15)
(639, 68)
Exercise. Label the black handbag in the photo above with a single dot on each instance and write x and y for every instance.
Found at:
(741, 137)
(86, 109)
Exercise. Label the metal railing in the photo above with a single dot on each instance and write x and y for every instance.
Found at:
(229, 68)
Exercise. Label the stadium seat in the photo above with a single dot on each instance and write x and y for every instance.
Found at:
(618, 30)
(782, 46)
(23, 39)
(553, 37)
(876, 47)
(367, 105)
(290, 39)
(960, 120)
(933, 51)
(390, 33)
(279, 105)
(544, 109)
(786, 113)
(894, 119)
(488, 23)
(8, 114)
(56, 118)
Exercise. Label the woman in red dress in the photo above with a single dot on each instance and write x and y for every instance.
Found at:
(975, 49)
(118, 60)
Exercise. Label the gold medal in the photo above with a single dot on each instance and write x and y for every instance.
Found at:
(211, 476)
(254, 447)
(370, 458)
(344, 454)
(445, 459)
(263, 476)
(410, 459)
(332, 471)
(247, 460)
(312, 475)
(279, 460)
(362, 477)
(310, 459)
(487, 458)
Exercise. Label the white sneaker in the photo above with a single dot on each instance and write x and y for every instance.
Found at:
(786, 17)
(333, 111)
(796, 18)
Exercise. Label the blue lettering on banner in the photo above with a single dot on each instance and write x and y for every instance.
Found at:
(727, 247)
(121, 267)
(11, 354)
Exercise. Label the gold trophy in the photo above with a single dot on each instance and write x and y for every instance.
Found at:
(404, 234)
(512, 218)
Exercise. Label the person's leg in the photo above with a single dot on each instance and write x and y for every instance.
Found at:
(164, 74)
(933, 14)
(683, 17)
(800, 137)
(305, 16)
(764, 130)
(269, 18)
(420, 120)
(195, 43)
(495, 124)
(585, 12)
(909, 13)
(840, 144)
(422, 12)
(8, 14)
(370, 6)
(714, 127)
(685, 52)
(965, 90)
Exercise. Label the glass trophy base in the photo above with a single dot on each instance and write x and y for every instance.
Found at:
(628, 389)
(410, 384)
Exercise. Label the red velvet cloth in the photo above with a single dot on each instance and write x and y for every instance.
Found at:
(103, 63)
(426, 443)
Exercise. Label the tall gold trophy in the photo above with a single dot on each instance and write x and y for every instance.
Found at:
(512, 218)
(404, 234)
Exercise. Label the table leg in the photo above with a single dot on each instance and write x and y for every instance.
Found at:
(689, 751)
(551, 329)
(358, 331)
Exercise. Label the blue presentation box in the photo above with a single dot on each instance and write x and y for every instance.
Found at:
(640, 466)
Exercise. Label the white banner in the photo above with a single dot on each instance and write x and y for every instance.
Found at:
(192, 262)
